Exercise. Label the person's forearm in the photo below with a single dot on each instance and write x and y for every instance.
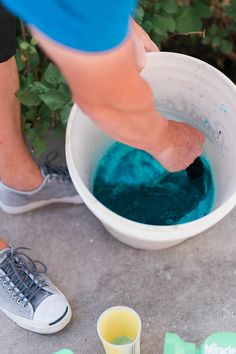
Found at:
(130, 117)
(109, 89)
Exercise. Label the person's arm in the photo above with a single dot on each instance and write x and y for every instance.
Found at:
(106, 84)
(109, 89)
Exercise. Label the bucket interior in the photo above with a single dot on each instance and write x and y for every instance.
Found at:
(184, 89)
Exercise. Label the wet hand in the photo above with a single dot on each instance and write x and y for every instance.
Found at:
(184, 145)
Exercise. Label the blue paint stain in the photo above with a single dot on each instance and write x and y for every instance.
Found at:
(134, 185)
(223, 108)
(205, 122)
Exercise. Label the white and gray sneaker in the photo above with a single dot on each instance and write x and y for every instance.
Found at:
(56, 187)
(27, 296)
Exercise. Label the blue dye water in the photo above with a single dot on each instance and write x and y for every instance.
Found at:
(134, 185)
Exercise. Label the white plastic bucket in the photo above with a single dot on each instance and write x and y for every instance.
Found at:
(186, 89)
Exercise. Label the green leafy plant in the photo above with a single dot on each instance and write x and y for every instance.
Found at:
(212, 21)
(202, 28)
(44, 94)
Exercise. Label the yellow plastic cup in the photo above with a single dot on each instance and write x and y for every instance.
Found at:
(118, 323)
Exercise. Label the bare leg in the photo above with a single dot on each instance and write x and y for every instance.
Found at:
(17, 168)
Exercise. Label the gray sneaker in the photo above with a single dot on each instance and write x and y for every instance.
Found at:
(57, 187)
(27, 296)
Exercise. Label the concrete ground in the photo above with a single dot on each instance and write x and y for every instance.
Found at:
(189, 289)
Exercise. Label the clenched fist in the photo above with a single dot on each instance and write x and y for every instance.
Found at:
(183, 145)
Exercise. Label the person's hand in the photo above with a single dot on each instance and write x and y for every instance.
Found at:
(142, 44)
(184, 146)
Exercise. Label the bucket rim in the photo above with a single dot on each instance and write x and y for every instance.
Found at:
(132, 229)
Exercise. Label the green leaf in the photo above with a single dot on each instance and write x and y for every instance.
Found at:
(160, 32)
(33, 41)
(45, 112)
(65, 91)
(39, 87)
(30, 133)
(231, 12)
(26, 81)
(52, 75)
(53, 99)
(170, 6)
(160, 26)
(162, 36)
(40, 144)
(60, 130)
(19, 62)
(226, 46)
(228, 10)
(33, 61)
(27, 126)
(170, 23)
(28, 98)
(32, 50)
(44, 126)
(24, 45)
(203, 10)
(232, 27)
(157, 40)
(158, 6)
(31, 113)
(64, 114)
(187, 20)
(139, 14)
(213, 30)
(216, 42)
(147, 26)
(163, 24)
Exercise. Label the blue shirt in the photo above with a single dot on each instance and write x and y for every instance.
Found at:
(86, 25)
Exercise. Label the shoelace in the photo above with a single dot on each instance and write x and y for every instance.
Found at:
(22, 275)
(56, 173)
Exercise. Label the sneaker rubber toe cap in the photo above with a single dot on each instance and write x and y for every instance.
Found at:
(52, 310)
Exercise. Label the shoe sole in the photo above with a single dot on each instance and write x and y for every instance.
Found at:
(35, 205)
(26, 324)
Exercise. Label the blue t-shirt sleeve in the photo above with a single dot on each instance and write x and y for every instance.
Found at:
(87, 25)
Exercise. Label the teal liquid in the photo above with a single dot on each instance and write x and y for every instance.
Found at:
(121, 340)
(134, 185)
